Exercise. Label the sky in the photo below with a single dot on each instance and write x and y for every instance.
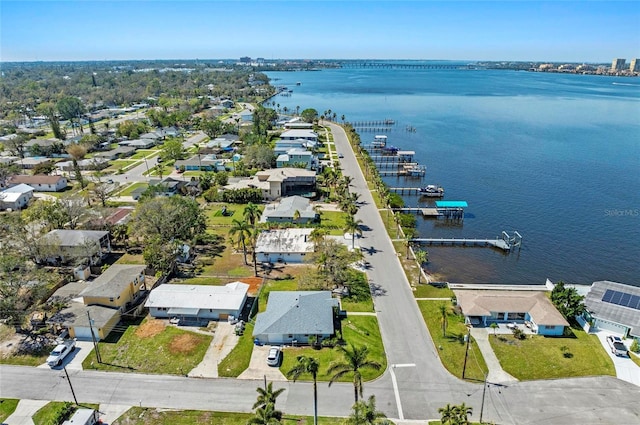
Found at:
(559, 31)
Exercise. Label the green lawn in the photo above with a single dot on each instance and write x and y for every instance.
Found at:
(275, 285)
(143, 153)
(129, 190)
(239, 358)
(358, 330)
(51, 412)
(539, 357)
(150, 416)
(122, 163)
(428, 291)
(7, 407)
(215, 217)
(131, 259)
(452, 347)
(333, 221)
(173, 350)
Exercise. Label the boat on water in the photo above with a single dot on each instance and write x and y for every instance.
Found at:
(415, 170)
(298, 83)
(379, 141)
(432, 191)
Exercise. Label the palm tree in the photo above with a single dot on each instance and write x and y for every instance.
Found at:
(352, 225)
(296, 216)
(365, 413)
(494, 326)
(242, 230)
(317, 237)
(252, 213)
(463, 411)
(267, 396)
(421, 257)
(408, 235)
(448, 414)
(355, 359)
(444, 319)
(253, 238)
(266, 415)
(306, 365)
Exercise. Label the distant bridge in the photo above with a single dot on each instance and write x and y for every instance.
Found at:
(400, 65)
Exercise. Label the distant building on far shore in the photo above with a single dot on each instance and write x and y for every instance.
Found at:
(634, 66)
(618, 64)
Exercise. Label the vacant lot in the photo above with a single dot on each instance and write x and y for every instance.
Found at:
(539, 357)
(151, 347)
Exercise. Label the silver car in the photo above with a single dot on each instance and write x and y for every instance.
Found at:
(274, 357)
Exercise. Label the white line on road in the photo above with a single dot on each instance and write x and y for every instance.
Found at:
(395, 387)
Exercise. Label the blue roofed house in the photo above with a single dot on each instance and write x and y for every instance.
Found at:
(294, 316)
(296, 157)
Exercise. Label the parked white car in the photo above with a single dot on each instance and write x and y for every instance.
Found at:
(60, 352)
(274, 356)
(617, 346)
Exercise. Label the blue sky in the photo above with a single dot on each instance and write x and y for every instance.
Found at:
(584, 31)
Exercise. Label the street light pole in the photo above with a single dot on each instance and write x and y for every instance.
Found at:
(73, 393)
(484, 390)
(93, 338)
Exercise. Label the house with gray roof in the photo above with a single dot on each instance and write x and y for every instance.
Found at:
(614, 307)
(292, 209)
(78, 245)
(299, 134)
(117, 287)
(294, 316)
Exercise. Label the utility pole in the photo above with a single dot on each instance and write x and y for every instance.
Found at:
(93, 338)
(466, 352)
(484, 390)
(70, 386)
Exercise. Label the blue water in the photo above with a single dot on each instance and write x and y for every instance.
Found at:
(555, 157)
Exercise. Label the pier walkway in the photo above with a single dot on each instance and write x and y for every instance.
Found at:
(496, 243)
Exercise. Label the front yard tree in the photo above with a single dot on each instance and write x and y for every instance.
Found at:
(77, 152)
(309, 115)
(172, 150)
(71, 108)
(252, 213)
(365, 413)
(444, 318)
(567, 300)
(355, 360)
(352, 226)
(307, 365)
(421, 257)
(240, 232)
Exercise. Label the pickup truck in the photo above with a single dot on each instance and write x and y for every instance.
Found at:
(61, 351)
(617, 347)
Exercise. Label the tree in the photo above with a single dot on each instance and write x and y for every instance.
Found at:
(567, 300)
(252, 213)
(494, 326)
(241, 231)
(309, 115)
(6, 171)
(266, 415)
(444, 318)
(307, 365)
(267, 396)
(99, 188)
(71, 108)
(447, 414)
(77, 152)
(352, 226)
(16, 145)
(212, 128)
(365, 413)
(455, 414)
(421, 257)
(172, 150)
(160, 255)
(49, 110)
(168, 218)
(355, 360)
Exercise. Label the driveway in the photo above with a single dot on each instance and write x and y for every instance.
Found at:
(224, 339)
(258, 367)
(75, 359)
(626, 369)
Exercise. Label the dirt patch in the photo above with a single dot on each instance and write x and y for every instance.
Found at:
(150, 328)
(183, 344)
(254, 285)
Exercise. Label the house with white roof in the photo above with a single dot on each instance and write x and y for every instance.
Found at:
(277, 182)
(294, 316)
(197, 302)
(16, 197)
(284, 245)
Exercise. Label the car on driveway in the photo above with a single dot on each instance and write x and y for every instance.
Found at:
(60, 352)
(617, 346)
(274, 356)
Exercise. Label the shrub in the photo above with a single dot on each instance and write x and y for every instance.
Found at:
(518, 333)
(635, 346)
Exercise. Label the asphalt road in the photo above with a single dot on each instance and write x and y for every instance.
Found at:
(412, 389)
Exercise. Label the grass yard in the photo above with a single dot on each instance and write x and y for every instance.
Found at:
(215, 217)
(52, 412)
(239, 358)
(131, 259)
(143, 153)
(427, 291)
(173, 351)
(453, 345)
(358, 330)
(129, 189)
(151, 416)
(539, 357)
(290, 284)
(7, 407)
(122, 163)
(333, 221)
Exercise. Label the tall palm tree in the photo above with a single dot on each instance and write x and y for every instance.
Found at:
(365, 413)
(253, 238)
(444, 318)
(307, 365)
(421, 257)
(252, 213)
(267, 396)
(242, 231)
(355, 359)
(267, 415)
(352, 225)
(409, 233)
(317, 237)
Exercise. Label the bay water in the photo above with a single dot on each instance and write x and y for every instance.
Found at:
(555, 157)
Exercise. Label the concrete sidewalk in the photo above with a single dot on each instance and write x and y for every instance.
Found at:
(24, 411)
(496, 373)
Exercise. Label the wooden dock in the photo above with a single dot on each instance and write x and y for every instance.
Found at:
(495, 243)
(425, 212)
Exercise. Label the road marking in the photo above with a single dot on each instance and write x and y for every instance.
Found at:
(395, 387)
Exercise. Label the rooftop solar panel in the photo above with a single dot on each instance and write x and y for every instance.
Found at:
(635, 302)
(607, 295)
(616, 297)
(622, 299)
(625, 299)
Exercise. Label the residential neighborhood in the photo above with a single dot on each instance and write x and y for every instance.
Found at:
(182, 237)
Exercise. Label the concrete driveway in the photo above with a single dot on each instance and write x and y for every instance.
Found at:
(75, 359)
(223, 342)
(258, 367)
(626, 369)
